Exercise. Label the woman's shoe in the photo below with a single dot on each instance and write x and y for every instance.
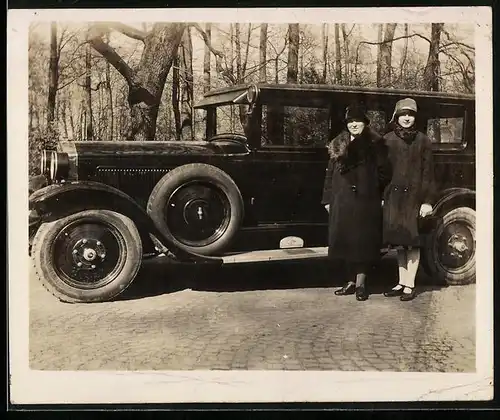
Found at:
(405, 297)
(361, 293)
(392, 292)
(348, 289)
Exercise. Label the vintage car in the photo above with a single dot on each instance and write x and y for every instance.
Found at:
(250, 191)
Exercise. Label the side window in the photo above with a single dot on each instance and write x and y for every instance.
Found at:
(447, 128)
(295, 126)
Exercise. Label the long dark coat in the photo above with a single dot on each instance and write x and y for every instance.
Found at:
(353, 188)
(412, 185)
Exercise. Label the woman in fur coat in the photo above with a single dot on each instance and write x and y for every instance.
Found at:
(357, 172)
(410, 194)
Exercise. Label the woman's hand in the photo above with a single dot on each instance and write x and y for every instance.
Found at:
(425, 210)
(327, 207)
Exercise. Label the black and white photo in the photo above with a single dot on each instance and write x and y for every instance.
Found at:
(249, 203)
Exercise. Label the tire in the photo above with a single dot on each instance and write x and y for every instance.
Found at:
(75, 272)
(450, 253)
(198, 207)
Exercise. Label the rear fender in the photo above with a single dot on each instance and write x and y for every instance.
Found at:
(60, 200)
(448, 200)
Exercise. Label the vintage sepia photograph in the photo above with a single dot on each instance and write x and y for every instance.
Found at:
(243, 205)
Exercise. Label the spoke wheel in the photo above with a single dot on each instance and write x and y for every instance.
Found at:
(451, 250)
(89, 256)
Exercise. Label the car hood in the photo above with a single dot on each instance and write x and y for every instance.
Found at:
(144, 148)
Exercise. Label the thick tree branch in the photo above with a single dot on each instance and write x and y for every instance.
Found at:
(245, 62)
(208, 43)
(96, 41)
(129, 31)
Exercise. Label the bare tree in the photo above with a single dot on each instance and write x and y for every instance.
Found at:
(263, 53)
(89, 128)
(338, 56)
(53, 76)
(147, 80)
(186, 66)
(324, 38)
(384, 65)
(293, 53)
(206, 59)
(176, 97)
(432, 68)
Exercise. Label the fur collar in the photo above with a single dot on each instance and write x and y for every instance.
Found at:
(347, 153)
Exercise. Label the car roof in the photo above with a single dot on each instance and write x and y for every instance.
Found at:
(320, 95)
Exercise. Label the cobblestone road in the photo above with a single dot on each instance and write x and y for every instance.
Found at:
(255, 317)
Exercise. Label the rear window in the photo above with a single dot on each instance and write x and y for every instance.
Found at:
(446, 130)
(446, 126)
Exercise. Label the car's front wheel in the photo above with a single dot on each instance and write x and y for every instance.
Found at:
(450, 254)
(88, 256)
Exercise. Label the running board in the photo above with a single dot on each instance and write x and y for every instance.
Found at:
(276, 255)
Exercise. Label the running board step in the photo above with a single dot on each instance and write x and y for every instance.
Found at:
(276, 255)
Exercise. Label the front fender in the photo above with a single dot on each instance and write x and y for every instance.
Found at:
(60, 200)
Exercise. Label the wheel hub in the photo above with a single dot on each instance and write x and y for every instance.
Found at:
(458, 245)
(88, 253)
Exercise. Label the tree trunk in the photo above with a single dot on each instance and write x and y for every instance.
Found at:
(206, 59)
(404, 57)
(432, 68)
(110, 112)
(89, 129)
(53, 79)
(385, 56)
(72, 124)
(176, 98)
(145, 82)
(186, 65)
(325, 51)
(347, 55)
(293, 53)
(237, 43)
(263, 53)
(64, 105)
(30, 113)
(338, 55)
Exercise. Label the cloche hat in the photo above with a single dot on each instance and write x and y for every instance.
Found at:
(406, 104)
(356, 112)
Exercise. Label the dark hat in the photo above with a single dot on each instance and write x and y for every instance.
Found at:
(356, 112)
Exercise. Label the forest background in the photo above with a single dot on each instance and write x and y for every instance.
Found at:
(113, 81)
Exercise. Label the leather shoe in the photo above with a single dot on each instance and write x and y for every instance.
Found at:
(348, 289)
(392, 292)
(405, 297)
(361, 293)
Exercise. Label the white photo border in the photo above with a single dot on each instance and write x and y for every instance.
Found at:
(43, 387)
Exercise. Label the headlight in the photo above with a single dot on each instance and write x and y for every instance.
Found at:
(55, 165)
(45, 160)
(252, 93)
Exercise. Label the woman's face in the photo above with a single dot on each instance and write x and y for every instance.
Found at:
(355, 127)
(406, 120)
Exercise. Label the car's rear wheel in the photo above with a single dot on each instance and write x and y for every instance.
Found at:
(197, 206)
(88, 256)
(450, 254)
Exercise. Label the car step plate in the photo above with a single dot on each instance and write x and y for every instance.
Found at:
(276, 255)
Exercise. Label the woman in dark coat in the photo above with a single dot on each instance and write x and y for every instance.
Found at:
(409, 195)
(356, 175)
